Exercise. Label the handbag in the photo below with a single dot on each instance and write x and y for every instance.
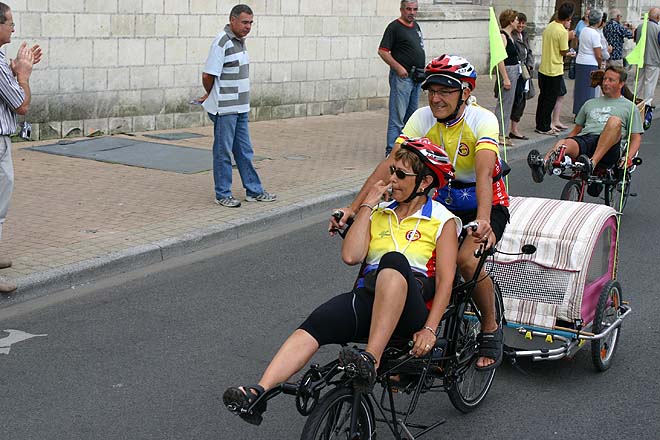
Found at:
(525, 73)
(531, 91)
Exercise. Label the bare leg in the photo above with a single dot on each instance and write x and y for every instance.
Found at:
(556, 112)
(292, 356)
(389, 300)
(610, 135)
(514, 128)
(572, 148)
(484, 293)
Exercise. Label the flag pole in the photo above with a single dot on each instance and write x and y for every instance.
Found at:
(635, 57)
(497, 54)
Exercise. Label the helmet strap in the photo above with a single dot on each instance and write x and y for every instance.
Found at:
(415, 193)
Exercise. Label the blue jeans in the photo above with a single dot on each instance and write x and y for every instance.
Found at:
(404, 96)
(231, 137)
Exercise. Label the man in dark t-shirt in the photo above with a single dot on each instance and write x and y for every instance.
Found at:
(402, 48)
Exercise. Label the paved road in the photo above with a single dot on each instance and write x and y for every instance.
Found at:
(147, 355)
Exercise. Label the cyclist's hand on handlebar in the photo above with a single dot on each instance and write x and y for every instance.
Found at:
(484, 233)
(424, 341)
(338, 219)
(622, 163)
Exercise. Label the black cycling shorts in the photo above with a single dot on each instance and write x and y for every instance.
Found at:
(347, 317)
(588, 143)
(499, 217)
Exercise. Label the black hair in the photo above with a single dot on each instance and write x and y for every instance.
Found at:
(565, 11)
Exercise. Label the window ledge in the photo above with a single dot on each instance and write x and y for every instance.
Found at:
(453, 13)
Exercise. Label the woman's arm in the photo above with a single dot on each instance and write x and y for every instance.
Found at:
(356, 244)
(445, 261)
(598, 53)
(506, 83)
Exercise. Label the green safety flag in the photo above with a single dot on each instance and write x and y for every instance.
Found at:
(497, 50)
(637, 55)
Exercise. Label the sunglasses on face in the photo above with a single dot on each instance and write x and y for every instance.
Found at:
(400, 174)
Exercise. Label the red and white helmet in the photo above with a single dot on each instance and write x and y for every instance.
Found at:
(433, 156)
(450, 70)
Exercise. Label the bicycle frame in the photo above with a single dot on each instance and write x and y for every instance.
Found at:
(611, 178)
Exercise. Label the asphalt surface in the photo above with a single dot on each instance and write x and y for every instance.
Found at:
(146, 355)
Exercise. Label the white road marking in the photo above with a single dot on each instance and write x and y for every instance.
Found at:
(14, 337)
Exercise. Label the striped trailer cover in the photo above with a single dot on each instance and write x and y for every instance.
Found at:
(575, 244)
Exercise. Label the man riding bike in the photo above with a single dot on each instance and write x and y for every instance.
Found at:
(469, 133)
(600, 125)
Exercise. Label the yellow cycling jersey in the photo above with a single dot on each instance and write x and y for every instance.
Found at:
(415, 236)
(475, 130)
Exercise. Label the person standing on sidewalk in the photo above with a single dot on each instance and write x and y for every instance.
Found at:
(614, 33)
(509, 70)
(521, 38)
(649, 74)
(589, 58)
(551, 70)
(402, 48)
(226, 79)
(14, 99)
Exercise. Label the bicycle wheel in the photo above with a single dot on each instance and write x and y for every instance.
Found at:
(331, 419)
(572, 191)
(607, 313)
(469, 386)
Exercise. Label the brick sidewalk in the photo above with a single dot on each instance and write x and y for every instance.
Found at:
(69, 213)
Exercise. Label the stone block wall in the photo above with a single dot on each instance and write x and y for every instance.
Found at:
(133, 65)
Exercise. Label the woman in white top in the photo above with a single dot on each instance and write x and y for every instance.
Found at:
(589, 58)
(606, 49)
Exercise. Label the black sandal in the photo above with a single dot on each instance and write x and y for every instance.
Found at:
(491, 346)
(239, 400)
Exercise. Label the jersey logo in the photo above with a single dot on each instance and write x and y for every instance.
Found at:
(384, 234)
(413, 235)
(463, 150)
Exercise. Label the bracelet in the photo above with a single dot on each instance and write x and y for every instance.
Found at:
(429, 329)
(366, 205)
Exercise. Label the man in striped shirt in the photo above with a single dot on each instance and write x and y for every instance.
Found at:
(14, 99)
(226, 79)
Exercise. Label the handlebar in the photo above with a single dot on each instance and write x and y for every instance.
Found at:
(337, 215)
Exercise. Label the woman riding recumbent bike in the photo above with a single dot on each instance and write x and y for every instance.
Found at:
(566, 293)
(396, 242)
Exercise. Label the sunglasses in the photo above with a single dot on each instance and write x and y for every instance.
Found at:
(400, 174)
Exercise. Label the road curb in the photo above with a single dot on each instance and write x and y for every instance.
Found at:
(73, 275)
(84, 272)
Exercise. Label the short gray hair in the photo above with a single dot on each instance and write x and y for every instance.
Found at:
(237, 10)
(595, 17)
(404, 3)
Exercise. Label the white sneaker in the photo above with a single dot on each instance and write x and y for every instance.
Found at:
(263, 197)
(228, 202)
